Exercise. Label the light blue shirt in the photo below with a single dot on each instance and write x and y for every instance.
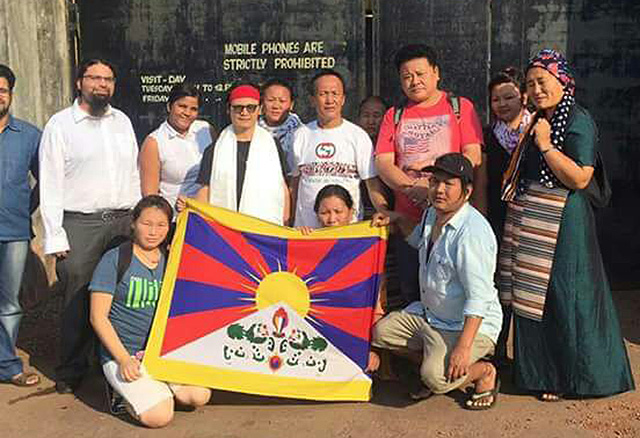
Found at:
(457, 279)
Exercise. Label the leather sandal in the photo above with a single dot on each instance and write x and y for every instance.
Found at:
(25, 379)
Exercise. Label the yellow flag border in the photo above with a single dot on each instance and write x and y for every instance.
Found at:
(242, 381)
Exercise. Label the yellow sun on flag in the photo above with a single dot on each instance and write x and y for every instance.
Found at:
(283, 286)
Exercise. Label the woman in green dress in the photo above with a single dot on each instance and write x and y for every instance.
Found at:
(567, 339)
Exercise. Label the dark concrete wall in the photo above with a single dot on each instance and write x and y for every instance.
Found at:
(458, 29)
(177, 37)
(600, 38)
(603, 44)
(476, 38)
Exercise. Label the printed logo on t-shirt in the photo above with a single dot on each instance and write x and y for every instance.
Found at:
(325, 150)
(423, 140)
(142, 293)
(331, 168)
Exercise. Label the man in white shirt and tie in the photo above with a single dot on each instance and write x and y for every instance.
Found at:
(89, 183)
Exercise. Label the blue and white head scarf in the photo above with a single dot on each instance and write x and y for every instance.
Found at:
(556, 64)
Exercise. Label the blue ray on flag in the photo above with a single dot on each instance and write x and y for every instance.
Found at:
(357, 295)
(200, 235)
(343, 252)
(191, 296)
(356, 349)
(273, 249)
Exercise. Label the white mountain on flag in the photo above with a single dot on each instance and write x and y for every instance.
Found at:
(272, 341)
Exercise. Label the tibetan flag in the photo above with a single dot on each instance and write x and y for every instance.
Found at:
(253, 307)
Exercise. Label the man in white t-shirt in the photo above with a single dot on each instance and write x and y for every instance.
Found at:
(331, 150)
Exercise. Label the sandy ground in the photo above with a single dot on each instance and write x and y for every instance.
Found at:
(41, 412)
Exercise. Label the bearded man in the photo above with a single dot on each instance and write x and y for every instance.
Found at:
(89, 182)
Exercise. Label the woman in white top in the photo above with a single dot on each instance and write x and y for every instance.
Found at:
(170, 155)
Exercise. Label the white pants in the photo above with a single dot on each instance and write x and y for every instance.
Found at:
(142, 394)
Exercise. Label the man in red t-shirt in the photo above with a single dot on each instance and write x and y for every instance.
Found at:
(427, 128)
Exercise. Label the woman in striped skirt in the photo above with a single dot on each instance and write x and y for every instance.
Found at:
(567, 338)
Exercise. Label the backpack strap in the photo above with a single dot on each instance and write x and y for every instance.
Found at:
(125, 253)
(454, 101)
(165, 253)
(397, 115)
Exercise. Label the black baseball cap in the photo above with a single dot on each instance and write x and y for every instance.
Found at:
(454, 164)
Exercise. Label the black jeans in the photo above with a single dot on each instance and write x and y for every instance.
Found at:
(90, 236)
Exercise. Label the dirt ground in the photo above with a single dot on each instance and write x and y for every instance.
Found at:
(41, 412)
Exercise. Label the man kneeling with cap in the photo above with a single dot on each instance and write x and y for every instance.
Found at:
(457, 320)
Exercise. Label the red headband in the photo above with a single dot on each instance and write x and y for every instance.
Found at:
(244, 91)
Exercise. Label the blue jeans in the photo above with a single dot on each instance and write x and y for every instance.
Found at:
(13, 257)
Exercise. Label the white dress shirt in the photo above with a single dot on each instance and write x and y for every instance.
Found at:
(87, 164)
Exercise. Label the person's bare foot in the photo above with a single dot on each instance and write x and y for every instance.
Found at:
(486, 389)
(25, 379)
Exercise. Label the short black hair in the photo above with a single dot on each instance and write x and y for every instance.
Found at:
(322, 73)
(372, 98)
(333, 190)
(185, 89)
(7, 73)
(276, 81)
(508, 75)
(414, 51)
(84, 66)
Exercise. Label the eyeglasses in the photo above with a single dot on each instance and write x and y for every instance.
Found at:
(94, 78)
(239, 108)
(5, 91)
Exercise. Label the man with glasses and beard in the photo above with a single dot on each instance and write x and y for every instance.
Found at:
(89, 182)
(245, 169)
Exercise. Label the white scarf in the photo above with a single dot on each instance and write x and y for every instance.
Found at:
(263, 188)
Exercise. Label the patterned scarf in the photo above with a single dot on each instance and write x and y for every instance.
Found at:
(556, 64)
(558, 123)
(507, 137)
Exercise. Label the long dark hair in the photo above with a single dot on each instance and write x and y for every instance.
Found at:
(156, 201)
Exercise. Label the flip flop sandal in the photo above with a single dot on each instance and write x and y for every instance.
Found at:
(470, 403)
(25, 379)
(549, 397)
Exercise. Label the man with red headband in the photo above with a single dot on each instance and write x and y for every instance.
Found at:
(245, 170)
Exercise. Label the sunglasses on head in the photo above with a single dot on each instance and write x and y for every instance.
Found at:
(238, 109)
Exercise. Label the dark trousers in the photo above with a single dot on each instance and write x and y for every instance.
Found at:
(90, 235)
(407, 263)
(501, 345)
